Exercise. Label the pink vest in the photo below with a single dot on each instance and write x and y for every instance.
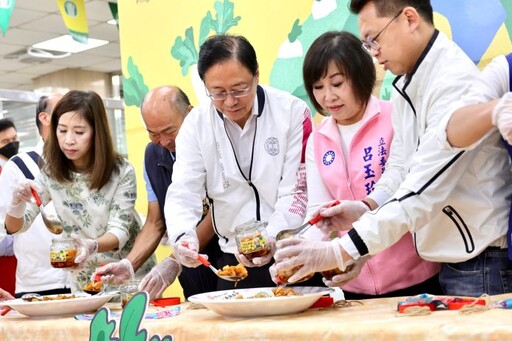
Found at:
(399, 266)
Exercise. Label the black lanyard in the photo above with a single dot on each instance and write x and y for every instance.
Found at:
(261, 102)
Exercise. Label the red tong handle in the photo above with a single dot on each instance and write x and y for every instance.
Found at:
(318, 217)
(36, 196)
(200, 258)
(203, 260)
(5, 311)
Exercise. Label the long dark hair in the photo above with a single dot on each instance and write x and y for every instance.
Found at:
(103, 159)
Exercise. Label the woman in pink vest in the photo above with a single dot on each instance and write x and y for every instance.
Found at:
(345, 157)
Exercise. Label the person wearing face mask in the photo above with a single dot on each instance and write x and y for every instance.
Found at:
(9, 144)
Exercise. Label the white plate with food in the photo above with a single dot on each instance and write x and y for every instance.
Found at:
(259, 301)
(59, 305)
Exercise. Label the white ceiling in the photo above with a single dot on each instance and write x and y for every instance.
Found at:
(33, 21)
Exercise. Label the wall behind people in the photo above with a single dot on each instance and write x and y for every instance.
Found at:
(160, 41)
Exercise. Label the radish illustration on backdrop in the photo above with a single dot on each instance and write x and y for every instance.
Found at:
(322, 8)
(185, 49)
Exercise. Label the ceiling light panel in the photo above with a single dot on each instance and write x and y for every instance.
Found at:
(65, 43)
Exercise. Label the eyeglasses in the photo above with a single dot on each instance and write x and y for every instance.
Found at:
(371, 42)
(220, 96)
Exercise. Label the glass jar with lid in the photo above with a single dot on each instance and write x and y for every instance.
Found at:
(63, 252)
(252, 239)
(283, 275)
(127, 291)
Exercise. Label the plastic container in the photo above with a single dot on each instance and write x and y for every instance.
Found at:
(127, 291)
(62, 253)
(251, 239)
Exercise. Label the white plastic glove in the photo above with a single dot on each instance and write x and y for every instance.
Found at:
(116, 273)
(258, 261)
(352, 271)
(85, 248)
(273, 274)
(160, 277)
(502, 116)
(312, 255)
(21, 194)
(186, 249)
(340, 217)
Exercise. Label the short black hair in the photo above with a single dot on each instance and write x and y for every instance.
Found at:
(220, 48)
(344, 50)
(389, 8)
(6, 123)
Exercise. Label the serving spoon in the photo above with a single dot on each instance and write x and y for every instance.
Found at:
(53, 224)
(298, 231)
(206, 263)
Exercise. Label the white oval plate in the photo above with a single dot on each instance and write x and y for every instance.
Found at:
(82, 303)
(224, 302)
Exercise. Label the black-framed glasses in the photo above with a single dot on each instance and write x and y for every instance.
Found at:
(220, 96)
(371, 42)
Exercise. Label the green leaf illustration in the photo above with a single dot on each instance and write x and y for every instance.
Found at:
(295, 32)
(134, 87)
(224, 19)
(204, 29)
(133, 314)
(185, 51)
(507, 5)
(101, 329)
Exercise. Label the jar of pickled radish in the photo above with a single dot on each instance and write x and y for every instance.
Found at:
(283, 276)
(252, 239)
(63, 252)
(128, 290)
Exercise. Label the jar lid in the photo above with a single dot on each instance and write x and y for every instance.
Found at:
(250, 225)
(62, 239)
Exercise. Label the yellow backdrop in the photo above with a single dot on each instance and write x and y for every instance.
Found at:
(158, 35)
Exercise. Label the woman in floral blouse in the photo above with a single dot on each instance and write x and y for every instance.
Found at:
(92, 187)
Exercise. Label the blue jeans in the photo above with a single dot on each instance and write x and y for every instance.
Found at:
(490, 272)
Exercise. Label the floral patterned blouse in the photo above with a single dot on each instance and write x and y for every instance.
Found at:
(91, 213)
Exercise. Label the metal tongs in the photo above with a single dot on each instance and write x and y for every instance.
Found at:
(298, 231)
